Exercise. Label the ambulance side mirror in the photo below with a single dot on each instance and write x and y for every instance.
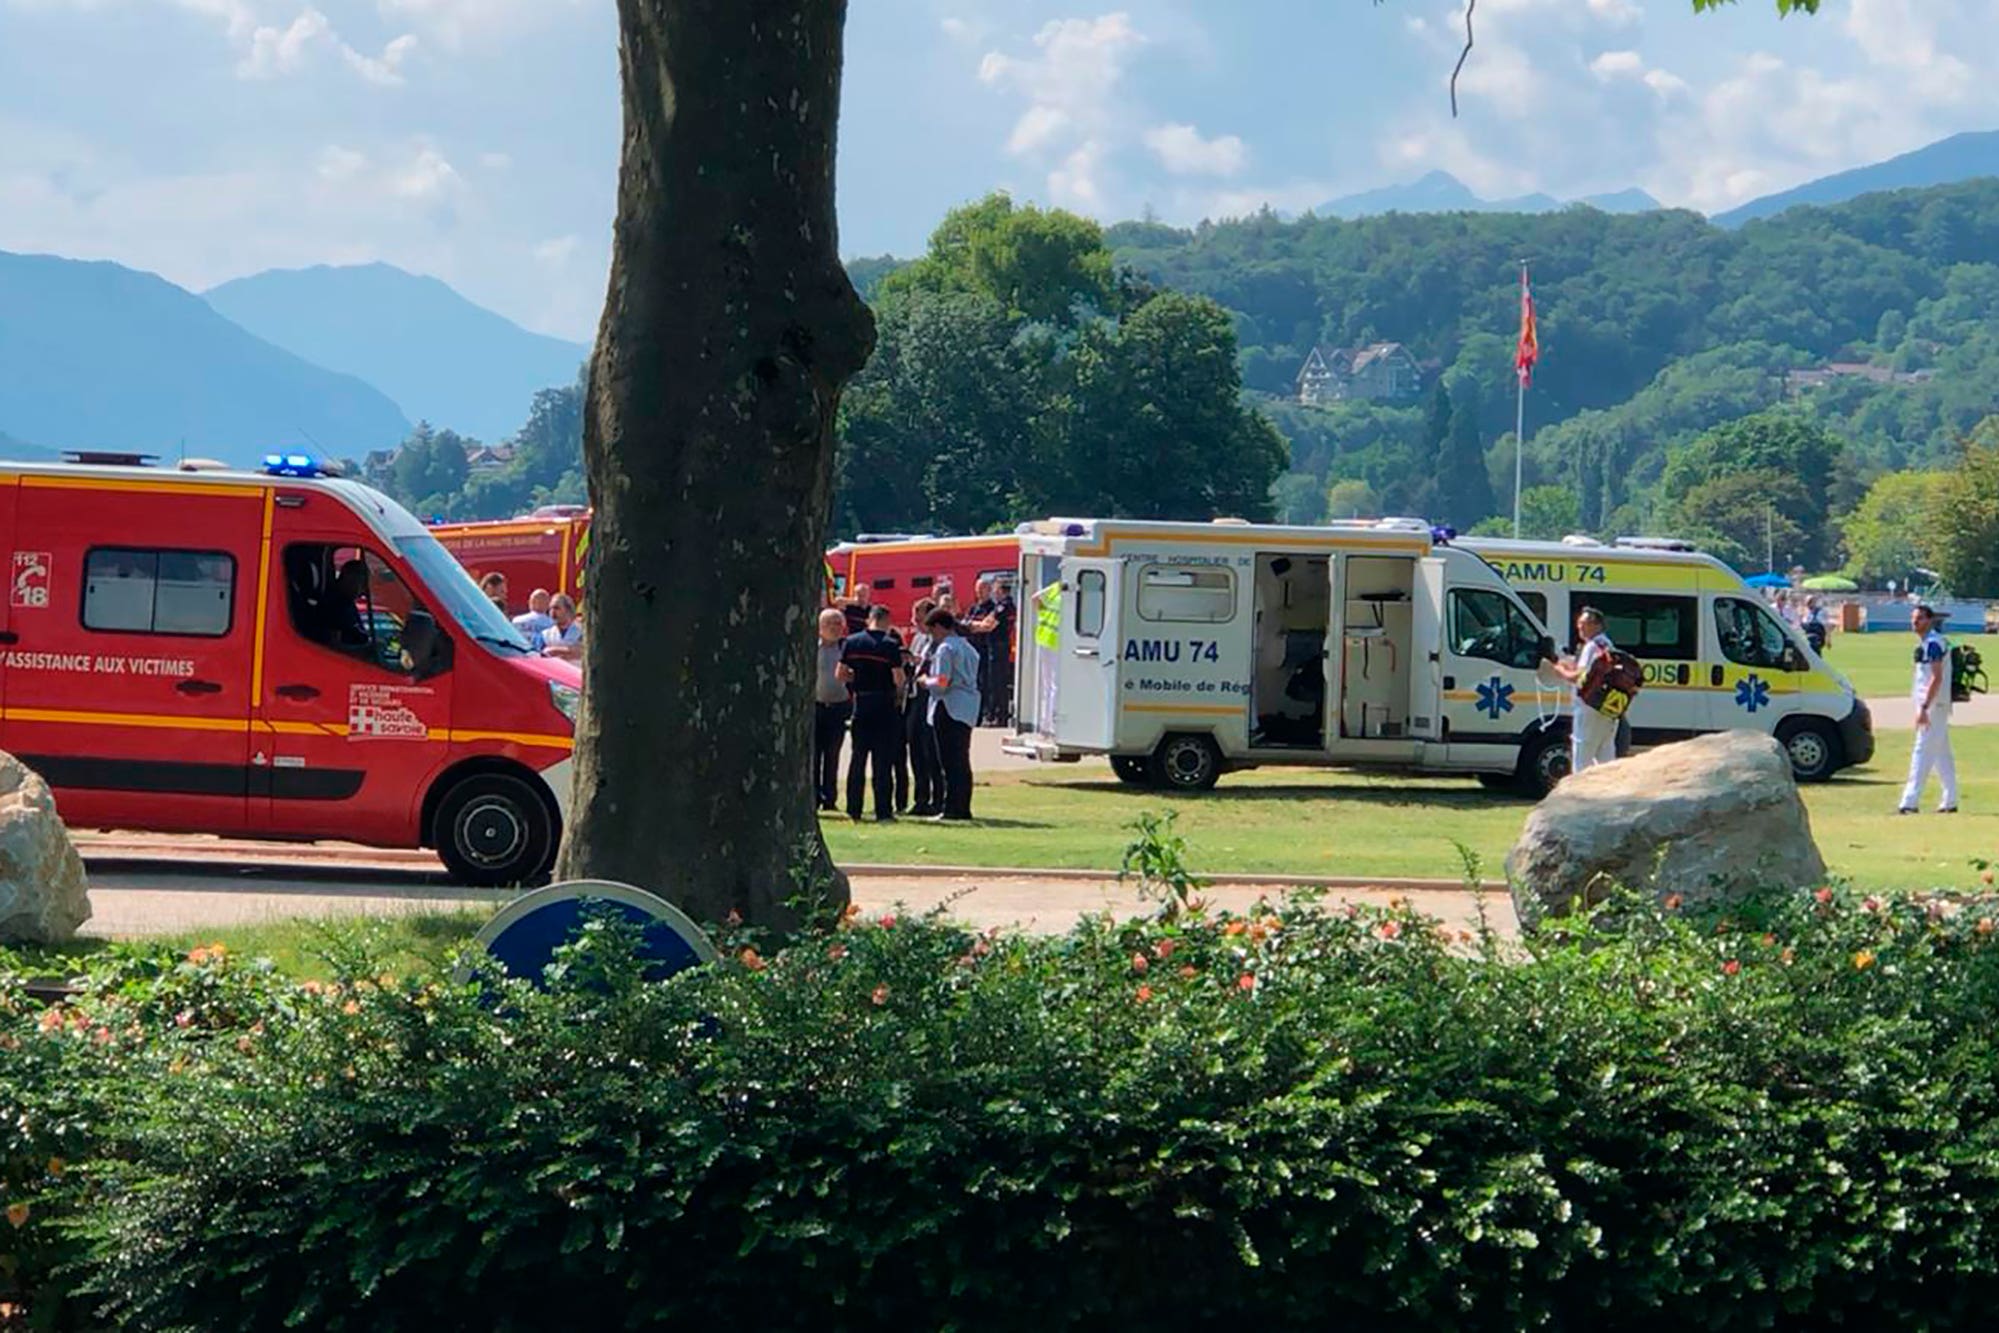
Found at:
(426, 646)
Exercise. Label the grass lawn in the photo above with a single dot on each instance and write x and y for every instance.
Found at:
(1313, 822)
(1879, 665)
(421, 942)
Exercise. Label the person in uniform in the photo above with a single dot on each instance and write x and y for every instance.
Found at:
(1592, 736)
(1931, 692)
(871, 666)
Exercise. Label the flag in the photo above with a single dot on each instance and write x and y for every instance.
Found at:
(1529, 350)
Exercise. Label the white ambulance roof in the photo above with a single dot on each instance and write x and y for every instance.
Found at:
(1050, 533)
(388, 519)
(1568, 549)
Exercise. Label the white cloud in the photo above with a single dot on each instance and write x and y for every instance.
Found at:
(274, 51)
(1615, 11)
(1612, 64)
(557, 250)
(1182, 151)
(1075, 113)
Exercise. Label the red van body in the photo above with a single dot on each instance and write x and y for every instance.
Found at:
(900, 573)
(275, 656)
(545, 549)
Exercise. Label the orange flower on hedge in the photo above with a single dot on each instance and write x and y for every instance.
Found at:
(836, 952)
(1673, 901)
(1390, 929)
(1823, 894)
(751, 959)
(1189, 971)
(1246, 982)
(351, 1007)
(57, 1166)
(886, 921)
(1870, 904)
(17, 1214)
(1235, 928)
(1144, 994)
(1985, 876)
(1769, 941)
(50, 1020)
(1163, 950)
(1984, 926)
(1863, 960)
(1730, 968)
(880, 996)
(1139, 962)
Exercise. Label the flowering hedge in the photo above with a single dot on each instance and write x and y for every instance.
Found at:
(1300, 1118)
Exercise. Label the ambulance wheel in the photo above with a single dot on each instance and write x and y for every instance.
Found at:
(1186, 763)
(1813, 748)
(494, 830)
(1544, 762)
(1132, 770)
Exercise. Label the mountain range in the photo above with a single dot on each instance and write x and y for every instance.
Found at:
(1441, 192)
(1960, 157)
(440, 357)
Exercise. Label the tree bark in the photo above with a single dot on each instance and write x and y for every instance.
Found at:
(728, 332)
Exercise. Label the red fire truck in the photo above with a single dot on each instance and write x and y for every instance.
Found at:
(544, 549)
(899, 570)
(278, 654)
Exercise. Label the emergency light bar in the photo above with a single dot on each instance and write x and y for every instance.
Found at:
(295, 465)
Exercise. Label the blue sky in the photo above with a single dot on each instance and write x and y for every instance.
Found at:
(477, 139)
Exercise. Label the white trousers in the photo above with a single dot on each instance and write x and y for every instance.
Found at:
(1592, 739)
(1932, 752)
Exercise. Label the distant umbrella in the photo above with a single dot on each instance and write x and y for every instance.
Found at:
(1829, 583)
(1767, 581)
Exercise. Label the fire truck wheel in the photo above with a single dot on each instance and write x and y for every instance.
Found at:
(495, 830)
(1186, 763)
(1133, 770)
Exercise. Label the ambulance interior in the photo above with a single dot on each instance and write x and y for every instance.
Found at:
(1295, 632)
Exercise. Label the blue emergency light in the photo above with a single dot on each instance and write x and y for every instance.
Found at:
(293, 465)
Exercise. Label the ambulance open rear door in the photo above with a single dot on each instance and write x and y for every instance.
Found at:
(1086, 687)
(1426, 666)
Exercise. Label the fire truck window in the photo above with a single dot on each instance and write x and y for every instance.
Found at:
(922, 581)
(350, 600)
(130, 591)
(883, 585)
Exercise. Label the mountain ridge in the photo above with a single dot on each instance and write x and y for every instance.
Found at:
(440, 356)
(94, 354)
(1441, 192)
(1948, 161)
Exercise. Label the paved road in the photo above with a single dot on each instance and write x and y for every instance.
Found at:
(164, 886)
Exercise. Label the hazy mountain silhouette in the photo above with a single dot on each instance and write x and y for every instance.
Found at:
(439, 356)
(96, 355)
(1441, 192)
(1961, 157)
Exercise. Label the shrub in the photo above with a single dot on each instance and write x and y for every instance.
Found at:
(1300, 1118)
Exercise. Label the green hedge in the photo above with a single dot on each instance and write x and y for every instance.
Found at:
(1303, 1119)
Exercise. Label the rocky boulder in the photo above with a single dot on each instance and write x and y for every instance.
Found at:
(43, 893)
(1704, 818)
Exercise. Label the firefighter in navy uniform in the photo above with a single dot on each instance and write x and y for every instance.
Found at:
(1931, 691)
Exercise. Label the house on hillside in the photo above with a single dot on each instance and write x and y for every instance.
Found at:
(1380, 372)
(1817, 377)
(488, 457)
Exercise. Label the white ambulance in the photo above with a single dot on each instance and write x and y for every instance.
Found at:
(1180, 650)
(1715, 656)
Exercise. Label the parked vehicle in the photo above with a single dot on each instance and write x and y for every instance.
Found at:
(902, 570)
(279, 654)
(1182, 650)
(1715, 656)
(545, 549)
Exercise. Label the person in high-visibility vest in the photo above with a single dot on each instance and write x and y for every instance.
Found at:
(1048, 616)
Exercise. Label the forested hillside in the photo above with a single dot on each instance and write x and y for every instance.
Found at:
(1654, 328)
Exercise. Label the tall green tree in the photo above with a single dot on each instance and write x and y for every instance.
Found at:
(1793, 458)
(1043, 265)
(1752, 520)
(1464, 485)
(1964, 516)
(1888, 534)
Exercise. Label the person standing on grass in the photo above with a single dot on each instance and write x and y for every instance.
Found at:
(952, 684)
(830, 710)
(1931, 691)
(919, 742)
(871, 666)
(1592, 736)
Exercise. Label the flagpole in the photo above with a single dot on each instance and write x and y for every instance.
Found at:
(1519, 423)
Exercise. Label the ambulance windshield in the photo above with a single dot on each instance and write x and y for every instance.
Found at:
(458, 595)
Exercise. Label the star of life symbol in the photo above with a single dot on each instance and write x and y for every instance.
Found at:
(1752, 692)
(1495, 696)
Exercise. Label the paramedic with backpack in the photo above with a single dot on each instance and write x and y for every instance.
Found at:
(1932, 693)
(1592, 734)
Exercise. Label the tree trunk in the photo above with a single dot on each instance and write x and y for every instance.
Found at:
(708, 435)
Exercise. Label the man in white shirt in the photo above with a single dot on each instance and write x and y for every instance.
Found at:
(564, 638)
(1592, 736)
(536, 618)
(1931, 692)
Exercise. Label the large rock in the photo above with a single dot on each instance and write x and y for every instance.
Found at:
(43, 893)
(1705, 818)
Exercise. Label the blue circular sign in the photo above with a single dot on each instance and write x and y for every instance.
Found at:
(524, 936)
